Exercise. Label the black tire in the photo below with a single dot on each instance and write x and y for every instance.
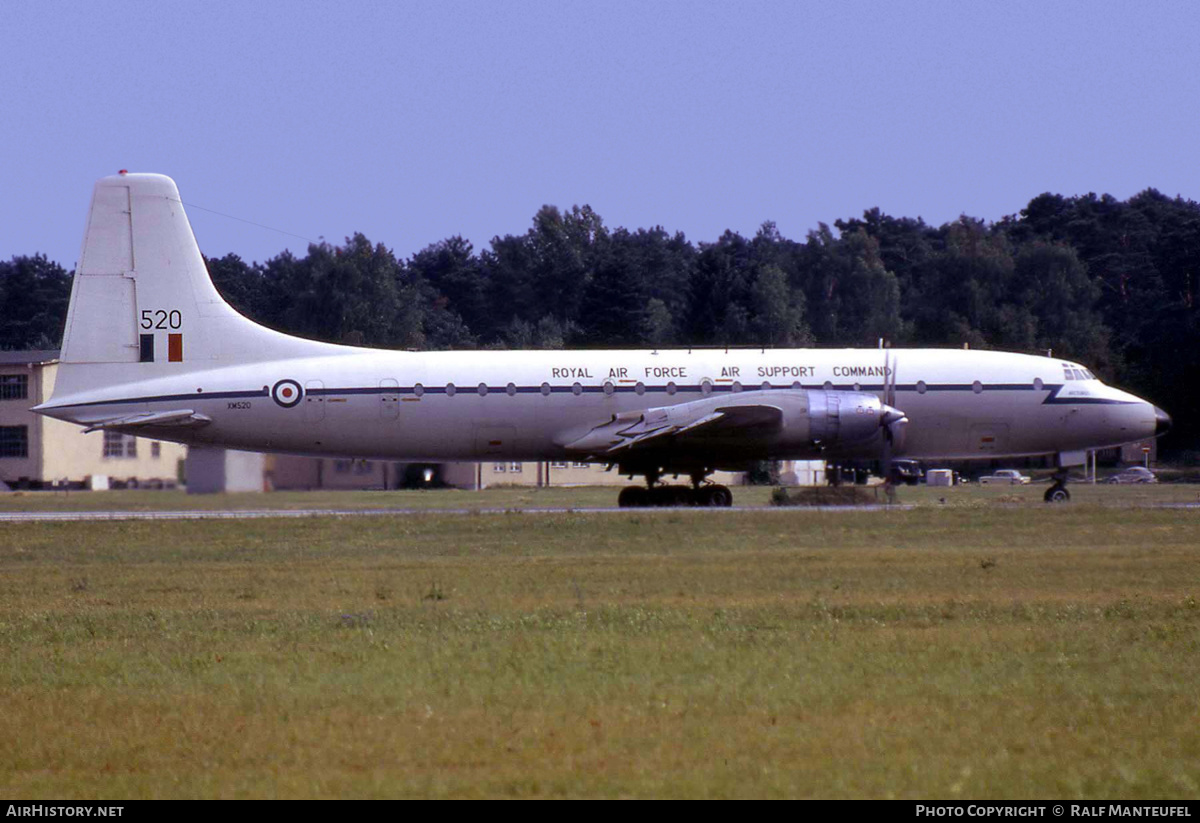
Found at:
(633, 497)
(719, 496)
(1057, 494)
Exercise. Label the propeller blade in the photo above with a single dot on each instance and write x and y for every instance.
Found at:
(893, 420)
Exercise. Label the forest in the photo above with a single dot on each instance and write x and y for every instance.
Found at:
(1109, 283)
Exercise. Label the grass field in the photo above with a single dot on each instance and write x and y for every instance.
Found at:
(971, 495)
(988, 646)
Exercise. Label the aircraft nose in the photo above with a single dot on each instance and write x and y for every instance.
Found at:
(1162, 422)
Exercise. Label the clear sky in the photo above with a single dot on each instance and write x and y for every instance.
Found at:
(412, 122)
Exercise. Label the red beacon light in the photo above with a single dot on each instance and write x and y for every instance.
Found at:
(123, 171)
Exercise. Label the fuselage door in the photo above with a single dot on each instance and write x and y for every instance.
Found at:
(314, 401)
(389, 399)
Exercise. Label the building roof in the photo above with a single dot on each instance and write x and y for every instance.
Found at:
(28, 357)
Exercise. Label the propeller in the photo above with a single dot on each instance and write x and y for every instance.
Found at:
(893, 421)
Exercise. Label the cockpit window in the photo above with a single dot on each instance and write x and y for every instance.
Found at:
(1071, 372)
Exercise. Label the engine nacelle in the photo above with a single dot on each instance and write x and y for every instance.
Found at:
(855, 419)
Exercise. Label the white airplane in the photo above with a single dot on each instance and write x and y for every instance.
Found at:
(152, 349)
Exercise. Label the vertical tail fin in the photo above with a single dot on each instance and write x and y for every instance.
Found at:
(143, 304)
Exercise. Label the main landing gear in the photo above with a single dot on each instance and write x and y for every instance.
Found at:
(1057, 493)
(656, 495)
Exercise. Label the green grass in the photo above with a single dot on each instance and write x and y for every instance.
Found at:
(977, 649)
(581, 498)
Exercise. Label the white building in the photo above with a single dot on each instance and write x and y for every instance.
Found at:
(40, 452)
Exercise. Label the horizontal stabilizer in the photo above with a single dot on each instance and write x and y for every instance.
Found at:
(181, 418)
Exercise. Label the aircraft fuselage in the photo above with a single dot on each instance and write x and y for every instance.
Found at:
(528, 405)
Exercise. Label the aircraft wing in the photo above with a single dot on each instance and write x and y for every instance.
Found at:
(178, 418)
(653, 428)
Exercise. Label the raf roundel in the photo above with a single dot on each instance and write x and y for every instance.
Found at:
(287, 393)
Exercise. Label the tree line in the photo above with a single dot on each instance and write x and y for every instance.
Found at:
(1106, 282)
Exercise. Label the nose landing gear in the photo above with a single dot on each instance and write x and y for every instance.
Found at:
(1057, 493)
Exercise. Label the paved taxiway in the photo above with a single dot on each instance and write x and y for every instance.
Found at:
(254, 514)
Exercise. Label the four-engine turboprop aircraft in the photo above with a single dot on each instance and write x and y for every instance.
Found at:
(152, 349)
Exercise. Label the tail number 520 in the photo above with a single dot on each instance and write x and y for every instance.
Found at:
(161, 319)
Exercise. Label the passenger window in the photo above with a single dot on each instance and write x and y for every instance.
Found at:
(608, 388)
(545, 389)
(576, 389)
(639, 389)
(977, 387)
(482, 389)
(671, 387)
(737, 386)
(766, 385)
(511, 389)
(450, 390)
(1038, 385)
(418, 390)
(921, 387)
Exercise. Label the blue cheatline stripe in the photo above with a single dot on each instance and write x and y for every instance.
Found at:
(172, 398)
(1052, 397)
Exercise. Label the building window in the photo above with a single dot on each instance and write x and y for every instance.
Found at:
(561, 464)
(499, 468)
(581, 465)
(14, 386)
(14, 441)
(516, 468)
(119, 445)
(156, 450)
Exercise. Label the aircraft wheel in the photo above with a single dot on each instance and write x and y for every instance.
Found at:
(670, 496)
(633, 497)
(718, 496)
(659, 496)
(680, 496)
(1057, 494)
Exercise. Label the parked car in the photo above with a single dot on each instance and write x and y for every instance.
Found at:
(1133, 474)
(1010, 477)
